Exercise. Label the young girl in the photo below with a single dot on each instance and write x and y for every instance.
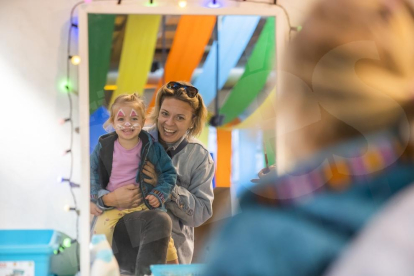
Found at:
(118, 160)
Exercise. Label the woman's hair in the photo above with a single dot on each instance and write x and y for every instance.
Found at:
(133, 99)
(200, 111)
(352, 66)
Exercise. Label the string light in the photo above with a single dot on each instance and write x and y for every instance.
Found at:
(68, 88)
(62, 121)
(75, 60)
(66, 243)
(71, 184)
(182, 4)
(66, 152)
(214, 4)
(67, 208)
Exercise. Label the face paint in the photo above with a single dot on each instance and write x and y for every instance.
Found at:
(127, 125)
(120, 113)
(133, 113)
(124, 123)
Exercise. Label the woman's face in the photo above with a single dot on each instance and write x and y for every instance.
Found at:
(174, 119)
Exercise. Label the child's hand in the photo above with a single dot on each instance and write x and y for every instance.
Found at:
(153, 201)
(95, 209)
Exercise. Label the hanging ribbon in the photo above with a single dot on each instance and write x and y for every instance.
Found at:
(137, 53)
(190, 40)
(100, 30)
(234, 34)
(254, 78)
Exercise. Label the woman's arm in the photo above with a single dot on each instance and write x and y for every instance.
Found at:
(127, 196)
(193, 206)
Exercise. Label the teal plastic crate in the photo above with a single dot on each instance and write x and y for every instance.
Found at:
(178, 270)
(24, 249)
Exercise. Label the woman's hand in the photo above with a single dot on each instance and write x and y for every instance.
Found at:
(128, 196)
(264, 172)
(95, 209)
(153, 201)
(149, 170)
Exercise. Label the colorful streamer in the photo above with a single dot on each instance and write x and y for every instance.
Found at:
(100, 29)
(234, 34)
(254, 78)
(263, 118)
(137, 53)
(190, 40)
(223, 172)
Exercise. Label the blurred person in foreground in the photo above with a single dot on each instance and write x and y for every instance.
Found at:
(344, 207)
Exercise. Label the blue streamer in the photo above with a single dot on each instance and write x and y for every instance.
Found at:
(234, 35)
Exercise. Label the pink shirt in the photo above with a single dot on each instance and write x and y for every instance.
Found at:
(125, 165)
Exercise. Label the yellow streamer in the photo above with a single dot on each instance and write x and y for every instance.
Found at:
(137, 53)
(262, 118)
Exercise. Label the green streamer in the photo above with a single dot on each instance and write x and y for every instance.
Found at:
(100, 31)
(255, 75)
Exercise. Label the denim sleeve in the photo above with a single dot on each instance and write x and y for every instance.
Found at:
(193, 206)
(167, 176)
(94, 174)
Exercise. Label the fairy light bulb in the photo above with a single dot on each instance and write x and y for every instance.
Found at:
(182, 4)
(75, 60)
(66, 208)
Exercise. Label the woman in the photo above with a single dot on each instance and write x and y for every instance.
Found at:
(351, 152)
(179, 115)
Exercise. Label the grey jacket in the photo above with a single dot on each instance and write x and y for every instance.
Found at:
(192, 198)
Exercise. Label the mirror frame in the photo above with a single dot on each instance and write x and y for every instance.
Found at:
(161, 7)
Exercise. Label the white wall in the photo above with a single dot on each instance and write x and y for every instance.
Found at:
(32, 62)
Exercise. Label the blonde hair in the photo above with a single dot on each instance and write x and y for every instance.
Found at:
(133, 99)
(353, 60)
(197, 103)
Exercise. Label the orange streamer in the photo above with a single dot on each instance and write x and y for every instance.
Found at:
(192, 36)
(223, 173)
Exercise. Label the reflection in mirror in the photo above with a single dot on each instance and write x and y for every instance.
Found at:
(231, 61)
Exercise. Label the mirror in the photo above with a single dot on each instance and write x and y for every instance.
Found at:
(128, 52)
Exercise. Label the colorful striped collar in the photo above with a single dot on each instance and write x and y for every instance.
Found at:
(337, 169)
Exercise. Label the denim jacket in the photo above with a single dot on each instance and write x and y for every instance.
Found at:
(101, 167)
(297, 224)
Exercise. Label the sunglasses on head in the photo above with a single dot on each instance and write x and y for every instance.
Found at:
(190, 90)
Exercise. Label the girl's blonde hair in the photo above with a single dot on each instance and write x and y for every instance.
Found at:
(133, 99)
(197, 103)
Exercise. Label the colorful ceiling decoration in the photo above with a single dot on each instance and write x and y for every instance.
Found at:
(100, 30)
(264, 117)
(125, 53)
(137, 54)
(223, 162)
(190, 40)
(255, 75)
(234, 35)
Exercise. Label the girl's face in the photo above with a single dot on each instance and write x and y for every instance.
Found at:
(128, 122)
(174, 119)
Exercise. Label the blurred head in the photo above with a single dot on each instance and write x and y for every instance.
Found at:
(127, 116)
(350, 72)
(178, 111)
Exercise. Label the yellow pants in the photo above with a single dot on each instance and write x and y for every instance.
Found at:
(105, 224)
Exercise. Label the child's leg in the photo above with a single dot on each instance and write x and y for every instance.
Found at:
(106, 222)
(172, 257)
